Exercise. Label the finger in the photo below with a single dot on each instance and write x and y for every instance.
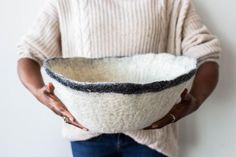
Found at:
(53, 97)
(72, 120)
(187, 97)
(60, 109)
(184, 93)
(56, 105)
(57, 110)
(161, 123)
(50, 88)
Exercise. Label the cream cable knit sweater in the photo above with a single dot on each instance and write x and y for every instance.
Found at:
(99, 28)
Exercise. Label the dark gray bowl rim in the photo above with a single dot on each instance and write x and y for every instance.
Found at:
(112, 87)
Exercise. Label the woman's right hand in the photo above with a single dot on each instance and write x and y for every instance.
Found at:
(47, 97)
(30, 75)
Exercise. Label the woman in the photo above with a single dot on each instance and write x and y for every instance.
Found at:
(100, 28)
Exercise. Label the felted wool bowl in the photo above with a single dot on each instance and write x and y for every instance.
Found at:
(122, 93)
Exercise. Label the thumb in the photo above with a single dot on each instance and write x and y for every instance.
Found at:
(50, 88)
(184, 93)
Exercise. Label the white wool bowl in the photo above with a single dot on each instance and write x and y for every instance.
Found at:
(122, 93)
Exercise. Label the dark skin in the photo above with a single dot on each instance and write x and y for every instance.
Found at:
(30, 75)
(204, 83)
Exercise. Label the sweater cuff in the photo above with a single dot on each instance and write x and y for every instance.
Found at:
(210, 57)
(216, 60)
(26, 50)
(30, 56)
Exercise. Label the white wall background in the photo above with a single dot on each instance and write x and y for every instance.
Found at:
(29, 129)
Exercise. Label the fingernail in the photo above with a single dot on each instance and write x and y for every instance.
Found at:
(85, 129)
(154, 126)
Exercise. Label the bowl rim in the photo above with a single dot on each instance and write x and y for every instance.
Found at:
(114, 87)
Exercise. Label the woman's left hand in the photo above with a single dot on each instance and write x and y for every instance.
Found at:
(187, 105)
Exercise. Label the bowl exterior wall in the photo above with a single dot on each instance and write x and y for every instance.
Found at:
(116, 112)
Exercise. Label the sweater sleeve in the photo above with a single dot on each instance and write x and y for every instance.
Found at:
(198, 41)
(42, 40)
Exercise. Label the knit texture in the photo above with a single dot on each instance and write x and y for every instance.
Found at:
(100, 28)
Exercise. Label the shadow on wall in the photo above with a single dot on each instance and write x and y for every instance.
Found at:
(189, 127)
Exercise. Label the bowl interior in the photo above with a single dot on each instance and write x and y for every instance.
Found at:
(139, 68)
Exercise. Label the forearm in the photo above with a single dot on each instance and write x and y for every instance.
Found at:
(205, 81)
(30, 74)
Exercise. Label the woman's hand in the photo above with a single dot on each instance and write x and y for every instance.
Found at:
(204, 83)
(187, 105)
(30, 75)
(46, 96)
